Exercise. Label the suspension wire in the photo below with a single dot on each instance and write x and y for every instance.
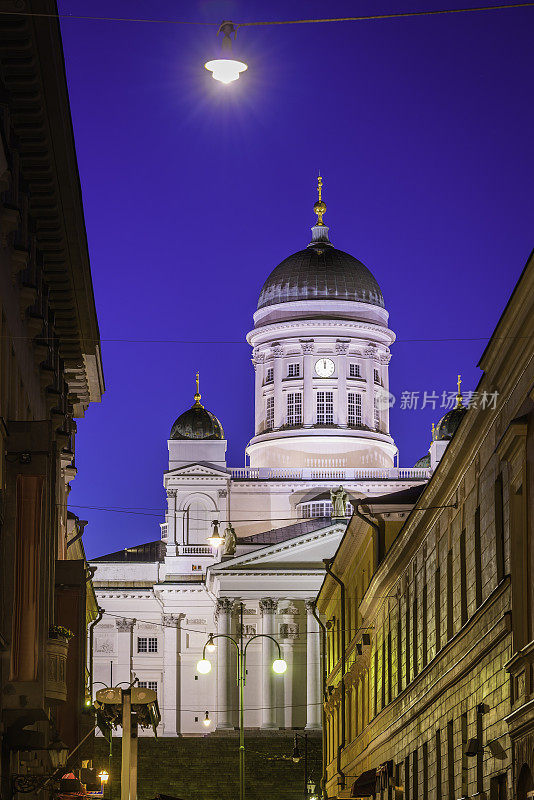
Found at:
(362, 18)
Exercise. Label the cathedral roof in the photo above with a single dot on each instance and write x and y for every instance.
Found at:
(320, 272)
(288, 532)
(197, 423)
(423, 462)
(148, 553)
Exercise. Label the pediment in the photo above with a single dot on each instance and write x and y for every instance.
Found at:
(305, 551)
(198, 470)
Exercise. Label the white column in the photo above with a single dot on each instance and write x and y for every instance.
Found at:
(279, 410)
(341, 350)
(171, 522)
(225, 652)
(368, 398)
(170, 674)
(308, 411)
(385, 358)
(313, 669)
(259, 377)
(122, 672)
(268, 654)
(288, 656)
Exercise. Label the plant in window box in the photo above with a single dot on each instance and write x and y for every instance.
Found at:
(56, 656)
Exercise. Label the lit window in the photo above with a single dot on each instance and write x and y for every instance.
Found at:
(142, 645)
(354, 371)
(377, 377)
(148, 685)
(269, 375)
(376, 413)
(294, 408)
(321, 509)
(269, 419)
(354, 408)
(293, 370)
(325, 408)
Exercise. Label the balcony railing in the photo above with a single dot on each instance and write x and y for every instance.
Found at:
(332, 474)
(195, 550)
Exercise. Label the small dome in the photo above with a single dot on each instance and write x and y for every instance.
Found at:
(197, 423)
(448, 424)
(424, 462)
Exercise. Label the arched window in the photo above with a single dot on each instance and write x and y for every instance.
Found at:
(198, 519)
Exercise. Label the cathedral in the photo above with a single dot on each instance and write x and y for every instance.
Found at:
(241, 549)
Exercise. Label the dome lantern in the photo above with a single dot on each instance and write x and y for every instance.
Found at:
(197, 423)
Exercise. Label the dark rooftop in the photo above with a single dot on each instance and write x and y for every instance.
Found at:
(289, 532)
(148, 552)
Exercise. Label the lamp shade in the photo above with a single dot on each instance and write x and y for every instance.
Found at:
(279, 666)
(204, 666)
(225, 70)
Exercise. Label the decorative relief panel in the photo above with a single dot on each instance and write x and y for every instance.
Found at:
(289, 630)
(104, 645)
(249, 629)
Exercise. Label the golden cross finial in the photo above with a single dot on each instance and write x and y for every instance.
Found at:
(320, 207)
(459, 397)
(198, 395)
(433, 431)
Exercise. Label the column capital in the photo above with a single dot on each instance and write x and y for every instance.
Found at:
(223, 605)
(171, 492)
(342, 347)
(385, 358)
(268, 605)
(310, 605)
(125, 625)
(172, 620)
(278, 350)
(307, 346)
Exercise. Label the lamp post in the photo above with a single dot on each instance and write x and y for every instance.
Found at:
(204, 666)
(309, 786)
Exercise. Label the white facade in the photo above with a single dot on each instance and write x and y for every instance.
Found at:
(321, 421)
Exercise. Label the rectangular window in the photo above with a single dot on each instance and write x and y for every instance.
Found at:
(148, 685)
(407, 640)
(377, 376)
(415, 647)
(269, 419)
(376, 682)
(424, 642)
(354, 408)
(465, 766)
(450, 758)
(294, 408)
(437, 608)
(480, 753)
(438, 764)
(399, 651)
(142, 644)
(478, 560)
(293, 370)
(152, 644)
(463, 579)
(390, 689)
(407, 778)
(376, 412)
(354, 371)
(425, 771)
(383, 687)
(499, 528)
(450, 618)
(415, 775)
(325, 408)
(269, 375)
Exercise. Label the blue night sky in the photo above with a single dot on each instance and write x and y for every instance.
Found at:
(194, 192)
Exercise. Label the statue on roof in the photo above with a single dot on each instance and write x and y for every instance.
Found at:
(230, 541)
(339, 499)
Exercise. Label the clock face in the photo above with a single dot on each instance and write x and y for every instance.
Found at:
(325, 367)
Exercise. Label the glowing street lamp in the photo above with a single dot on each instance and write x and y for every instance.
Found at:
(211, 646)
(216, 540)
(279, 666)
(226, 69)
(204, 666)
(206, 721)
(104, 777)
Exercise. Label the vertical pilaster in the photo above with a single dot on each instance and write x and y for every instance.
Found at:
(268, 715)
(123, 672)
(342, 410)
(279, 410)
(313, 670)
(171, 523)
(170, 674)
(223, 615)
(258, 361)
(307, 388)
(385, 358)
(368, 398)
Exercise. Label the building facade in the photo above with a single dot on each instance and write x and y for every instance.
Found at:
(321, 444)
(50, 371)
(428, 689)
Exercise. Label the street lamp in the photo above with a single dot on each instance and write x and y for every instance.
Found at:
(206, 721)
(104, 777)
(309, 786)
(216, 540)
(204, 666)
(226, 69)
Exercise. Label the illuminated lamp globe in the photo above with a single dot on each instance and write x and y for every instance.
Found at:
(207, 721)
(225, 70)
(211, 646)
(104, 776)
(204, 666)
(279, 666)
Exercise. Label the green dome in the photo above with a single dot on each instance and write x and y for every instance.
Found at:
(197, 423)
(448, 424)
(424, 462)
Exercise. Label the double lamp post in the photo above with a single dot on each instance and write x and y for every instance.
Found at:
(279, 666)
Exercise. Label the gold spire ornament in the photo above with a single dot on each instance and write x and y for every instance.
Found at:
(433, 431)
(198, 395)
(320, 207)
(459, 397)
